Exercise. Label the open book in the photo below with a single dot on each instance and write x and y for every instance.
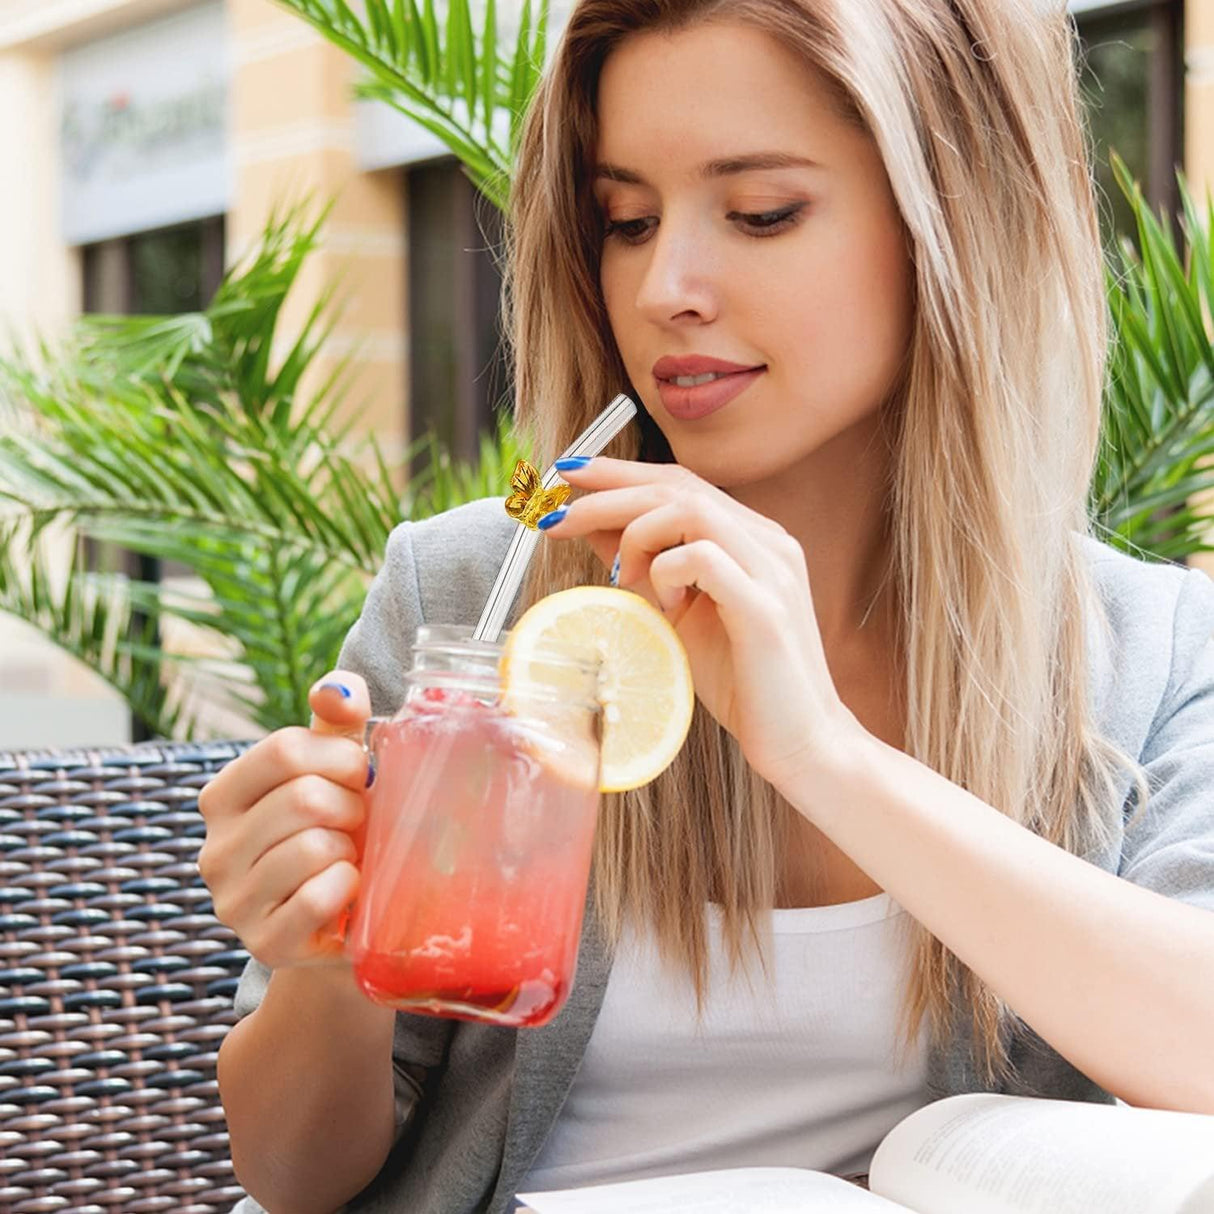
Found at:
(976, 1153)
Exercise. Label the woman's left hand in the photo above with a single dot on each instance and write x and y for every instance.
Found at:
(734, 585)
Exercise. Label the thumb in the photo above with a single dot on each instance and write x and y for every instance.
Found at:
(606, 545)
(340, 704)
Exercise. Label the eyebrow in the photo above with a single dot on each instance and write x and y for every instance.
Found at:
(725, 167)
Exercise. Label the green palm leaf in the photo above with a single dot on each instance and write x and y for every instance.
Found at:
(1154, 475)
(184, 442)
(89, 617)
(462, 87)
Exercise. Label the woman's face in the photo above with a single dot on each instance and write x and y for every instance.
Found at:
(799, 268)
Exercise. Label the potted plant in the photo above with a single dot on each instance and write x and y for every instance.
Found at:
(176, 437)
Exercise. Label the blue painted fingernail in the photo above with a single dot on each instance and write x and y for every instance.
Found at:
(615, 570)
(551, 520)
(370, 773)
(573, 463)
(346, 693)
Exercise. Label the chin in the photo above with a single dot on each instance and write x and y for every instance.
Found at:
(727, 463)
(748, 453)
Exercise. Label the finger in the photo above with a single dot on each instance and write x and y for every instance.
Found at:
(678, 523)
(305, 803)
(665, 520)
(605, 510)
(288, 865)
(703, 566)
(340, 704)
(283, 756)
(604, 472)
(605, 545)
(292, 926)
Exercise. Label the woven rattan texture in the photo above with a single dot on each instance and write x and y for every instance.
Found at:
(116, 985)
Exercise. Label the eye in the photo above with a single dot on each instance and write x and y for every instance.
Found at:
(762, 224)
(768, 223)
(631, 231)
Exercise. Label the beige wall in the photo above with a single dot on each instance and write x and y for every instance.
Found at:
(39, 275)
(293, 136)
(1199, 94)
(48, 24)
(45, 697)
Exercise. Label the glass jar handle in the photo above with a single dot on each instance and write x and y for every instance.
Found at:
(330, 940)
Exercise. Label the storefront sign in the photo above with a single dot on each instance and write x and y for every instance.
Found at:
(144, 127)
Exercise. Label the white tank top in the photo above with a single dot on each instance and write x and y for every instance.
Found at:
(800, 1071)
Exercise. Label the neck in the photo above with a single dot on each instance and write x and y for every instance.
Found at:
(834, 504)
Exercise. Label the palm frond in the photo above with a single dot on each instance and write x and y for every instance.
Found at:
(469, 89)
(90, 617)
(179, 439)
(445, 482)
(1152, 488)
(225, 350)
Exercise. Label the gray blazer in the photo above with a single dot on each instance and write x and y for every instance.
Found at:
(491, 1095)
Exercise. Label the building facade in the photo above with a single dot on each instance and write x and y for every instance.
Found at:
(147, 141)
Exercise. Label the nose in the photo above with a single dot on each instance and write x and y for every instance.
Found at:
(678, 280)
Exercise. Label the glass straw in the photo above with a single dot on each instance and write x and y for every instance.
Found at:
(591, 441)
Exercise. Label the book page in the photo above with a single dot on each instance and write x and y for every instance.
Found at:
(981, 1153)
(754, 1190)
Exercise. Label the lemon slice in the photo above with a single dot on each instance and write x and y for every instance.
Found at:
(645, 688)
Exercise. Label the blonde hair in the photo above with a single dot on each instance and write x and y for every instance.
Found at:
(993, 429)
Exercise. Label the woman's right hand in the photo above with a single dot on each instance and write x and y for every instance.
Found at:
(279, 858)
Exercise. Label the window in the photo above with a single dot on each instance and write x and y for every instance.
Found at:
(155, 273)
(1132, 72)
(458, 374)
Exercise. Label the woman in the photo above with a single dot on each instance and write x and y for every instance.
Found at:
(908, 848)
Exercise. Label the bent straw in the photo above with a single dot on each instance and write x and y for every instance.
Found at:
(591, 441)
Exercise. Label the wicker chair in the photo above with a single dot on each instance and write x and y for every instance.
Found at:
(116, 985)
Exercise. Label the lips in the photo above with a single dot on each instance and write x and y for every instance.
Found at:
(690, 404)
(671, 366)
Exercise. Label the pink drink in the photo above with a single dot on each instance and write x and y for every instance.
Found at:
(476, 863)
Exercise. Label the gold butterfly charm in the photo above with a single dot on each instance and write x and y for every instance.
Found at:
(529, 502)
